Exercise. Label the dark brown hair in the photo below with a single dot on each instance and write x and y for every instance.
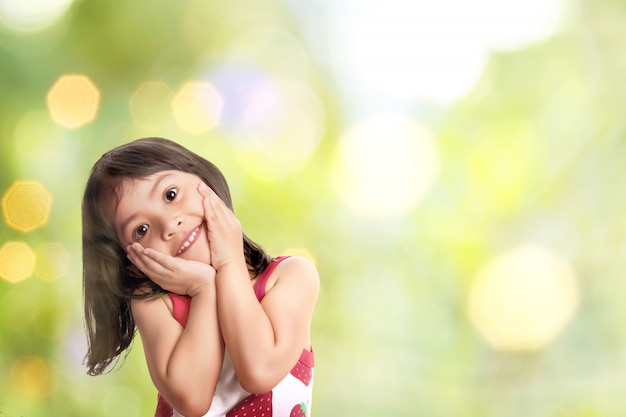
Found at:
(110, 281)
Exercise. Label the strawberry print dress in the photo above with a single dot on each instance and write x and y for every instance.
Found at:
(290, 398)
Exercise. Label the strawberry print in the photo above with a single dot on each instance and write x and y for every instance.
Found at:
(302, 372)
(255, 405)
(299, 410)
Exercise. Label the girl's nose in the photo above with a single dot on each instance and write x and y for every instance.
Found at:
(172, 228)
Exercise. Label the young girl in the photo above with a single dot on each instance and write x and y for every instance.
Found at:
(225, 327)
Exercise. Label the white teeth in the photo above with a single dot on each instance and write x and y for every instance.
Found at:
(187, 243)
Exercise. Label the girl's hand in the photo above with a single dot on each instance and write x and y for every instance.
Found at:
(224, 230)
(178, 275)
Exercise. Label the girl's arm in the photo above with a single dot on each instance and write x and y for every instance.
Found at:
(264, 339)
(184, 363)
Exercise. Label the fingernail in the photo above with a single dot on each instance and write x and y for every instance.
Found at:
(203, 186)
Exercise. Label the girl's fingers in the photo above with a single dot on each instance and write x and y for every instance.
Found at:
(223, 227)
(205, 190)
(158, 258)
(216, 213)
(133, 251)
(147, 255)
(213, 213)
(149, 261)
(209, 196)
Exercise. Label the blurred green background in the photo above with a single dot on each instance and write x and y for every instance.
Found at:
(454, 168)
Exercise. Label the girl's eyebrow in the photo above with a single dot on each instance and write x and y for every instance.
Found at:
(159, 178)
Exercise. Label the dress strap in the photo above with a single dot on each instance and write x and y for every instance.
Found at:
(182, 304)
(259, 285)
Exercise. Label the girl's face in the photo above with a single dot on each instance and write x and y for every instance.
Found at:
(163, 212)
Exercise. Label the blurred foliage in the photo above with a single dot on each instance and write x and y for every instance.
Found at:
(533, 153)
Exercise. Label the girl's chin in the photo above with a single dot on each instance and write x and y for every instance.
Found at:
(197, 253)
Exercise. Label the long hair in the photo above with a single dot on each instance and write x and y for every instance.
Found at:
(110, 281)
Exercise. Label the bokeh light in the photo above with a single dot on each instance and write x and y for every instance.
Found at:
(26, 205)
(385, 166)
(522, 300)
(197, 107)
(151, 105)
(236, 83)
(73, 101)
(284, 123)
(406, 50)
(514, 24)
(433, 49)
(32, 376)
(52, 261)
(17, 261)
(32, 15)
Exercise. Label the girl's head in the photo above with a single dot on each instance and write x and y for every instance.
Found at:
(164, 212)
(127, 197)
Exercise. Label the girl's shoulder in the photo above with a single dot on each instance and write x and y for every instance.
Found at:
(294, 269)
(160, 298)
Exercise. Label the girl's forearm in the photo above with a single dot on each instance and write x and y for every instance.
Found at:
(196, 361)
(257, 355)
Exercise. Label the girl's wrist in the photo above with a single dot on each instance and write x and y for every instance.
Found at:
(233, 268)
(201, 289)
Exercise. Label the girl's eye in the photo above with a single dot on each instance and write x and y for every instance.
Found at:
(141, 231)
(170, 195)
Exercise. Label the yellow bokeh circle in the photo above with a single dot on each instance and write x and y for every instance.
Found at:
(523, 299)
(31, 376)
(17, 261)
(52, 261)
(385, 166)
(73, 101)
(26, 205)
(197, 107)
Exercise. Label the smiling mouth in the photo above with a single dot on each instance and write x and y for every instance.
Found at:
(189, 241)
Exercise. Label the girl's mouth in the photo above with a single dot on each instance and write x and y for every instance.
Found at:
(191, 238)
